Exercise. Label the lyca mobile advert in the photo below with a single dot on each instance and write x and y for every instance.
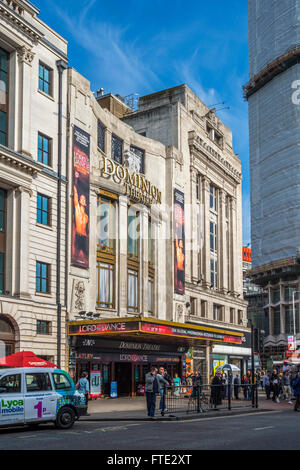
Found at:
(11, 407)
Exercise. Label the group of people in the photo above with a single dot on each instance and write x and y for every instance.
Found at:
(283, 384)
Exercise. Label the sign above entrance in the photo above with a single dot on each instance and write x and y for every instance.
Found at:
(137, 186)
(102, 328)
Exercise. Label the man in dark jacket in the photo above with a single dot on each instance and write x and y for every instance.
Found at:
(275, 383)
(216, 386)
(152, 387)
(236, 386)
(197, 382)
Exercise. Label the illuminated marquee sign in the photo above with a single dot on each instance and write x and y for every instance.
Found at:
(137, 186)
(101, 328)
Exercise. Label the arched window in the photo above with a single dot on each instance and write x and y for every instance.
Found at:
(7, 337)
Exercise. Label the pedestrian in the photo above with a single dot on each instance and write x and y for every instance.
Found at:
(163, 383)
(216, 396)
(236, 386)
(275, 384)
(197, 382)
(244, 382)
(177, 384)
(83, 386)
(267, 384)
(286, 385)
(296, 388)
(230, 380)
(152, 387)
(249, 383)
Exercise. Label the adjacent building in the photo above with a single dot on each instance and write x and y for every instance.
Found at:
(32, 188)
(274, 117)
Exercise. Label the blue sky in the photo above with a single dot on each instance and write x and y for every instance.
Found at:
(142, 46)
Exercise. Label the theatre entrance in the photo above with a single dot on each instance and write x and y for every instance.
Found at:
(123, 376)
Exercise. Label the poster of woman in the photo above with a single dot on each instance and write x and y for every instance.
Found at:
(81, 191)
(179, 249)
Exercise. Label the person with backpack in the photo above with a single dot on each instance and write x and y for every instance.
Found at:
(275, 385)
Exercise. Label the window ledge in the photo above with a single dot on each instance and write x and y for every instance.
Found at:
(43, 294)
(46, 95)
(48, 227)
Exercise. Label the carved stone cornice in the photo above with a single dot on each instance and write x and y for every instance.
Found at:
(14, 18)
(19, 162)
(197, 144)
(25, 55)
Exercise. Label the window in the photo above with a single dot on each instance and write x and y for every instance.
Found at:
(217, 313)
(288, 294)
(106, 257)
(132, 291)
(43, 210)
(45, 76)
(4, 57)
(116, 149)
(44, 149)
(42, 277)
(193, 306)
(106, 225)
(213, 198)
(240, 317)
(203, 308)
(105, 285)
(61, 381)
(43, 327)
(275, 296)
(11, 383)
(198, 187)
(101, 136)
(141, 156)
(133, 232)
(38, 382)
(213, 236)
(2, 209)
(276, 321)
(214, 273)
(289, 319)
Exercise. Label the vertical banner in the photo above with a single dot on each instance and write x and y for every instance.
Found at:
(179, 248)
(81, 196)
(95, 378)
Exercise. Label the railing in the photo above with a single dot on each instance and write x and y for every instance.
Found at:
(199, 399)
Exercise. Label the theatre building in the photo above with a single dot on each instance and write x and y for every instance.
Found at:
(124, 349)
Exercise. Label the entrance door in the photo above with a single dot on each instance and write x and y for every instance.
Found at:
(123, 378)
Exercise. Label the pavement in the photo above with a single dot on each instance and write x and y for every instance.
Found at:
(134, 409)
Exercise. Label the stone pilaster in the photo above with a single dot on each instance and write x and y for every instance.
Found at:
(123, 216)
(25, 58)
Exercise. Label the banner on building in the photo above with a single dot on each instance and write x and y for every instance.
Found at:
(179, 243)
(81, 192)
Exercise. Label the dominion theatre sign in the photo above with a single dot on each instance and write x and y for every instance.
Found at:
(136, 185)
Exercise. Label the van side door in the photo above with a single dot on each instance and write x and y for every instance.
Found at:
(11, 399)
(40, 398)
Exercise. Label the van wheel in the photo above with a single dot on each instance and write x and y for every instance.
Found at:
(65, 418)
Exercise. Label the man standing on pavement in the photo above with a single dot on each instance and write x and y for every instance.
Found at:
(286, 386)
(152, 386)
(275, 383)
(267, 384)
(164, 380)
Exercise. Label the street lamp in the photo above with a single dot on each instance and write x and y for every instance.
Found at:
(294, 317)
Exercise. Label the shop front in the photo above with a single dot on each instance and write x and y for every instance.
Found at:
(237, 355)
(122, 351)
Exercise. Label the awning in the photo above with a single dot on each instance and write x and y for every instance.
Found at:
(149, 329)
(24, 359)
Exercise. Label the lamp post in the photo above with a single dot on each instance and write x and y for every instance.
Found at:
(294, 317)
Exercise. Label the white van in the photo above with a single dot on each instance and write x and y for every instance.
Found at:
(38, 395)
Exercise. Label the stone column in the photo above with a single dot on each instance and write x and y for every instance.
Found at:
(194, 229)
(122, 262)
(205, 261)
(22, 220)
(233, 260)
(222, 251)
(25, 58)
(143, 275)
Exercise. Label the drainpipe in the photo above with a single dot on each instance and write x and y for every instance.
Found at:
(61, 66)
